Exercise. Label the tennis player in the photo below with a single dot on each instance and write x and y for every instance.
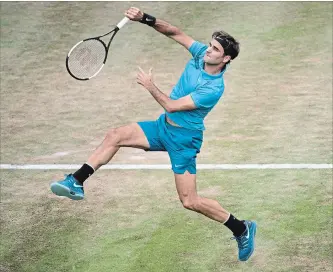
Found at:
(178, 131)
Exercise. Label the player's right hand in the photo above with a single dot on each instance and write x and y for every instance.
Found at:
(134, 14)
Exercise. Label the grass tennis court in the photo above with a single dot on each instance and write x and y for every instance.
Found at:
(277, 108)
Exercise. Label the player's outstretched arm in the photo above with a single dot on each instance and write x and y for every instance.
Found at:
(161, 26)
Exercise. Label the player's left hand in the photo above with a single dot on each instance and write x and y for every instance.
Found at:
(144, 79)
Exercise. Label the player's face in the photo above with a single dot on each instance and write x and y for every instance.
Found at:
(215, 54)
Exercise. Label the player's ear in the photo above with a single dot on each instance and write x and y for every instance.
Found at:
(226, 58)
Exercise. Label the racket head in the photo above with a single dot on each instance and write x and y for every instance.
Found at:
(86, 59)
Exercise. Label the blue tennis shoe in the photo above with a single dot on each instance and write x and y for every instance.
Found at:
(68, 187)
(246, 241)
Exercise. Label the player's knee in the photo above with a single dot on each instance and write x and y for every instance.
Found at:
(112, 137)
(190, 203)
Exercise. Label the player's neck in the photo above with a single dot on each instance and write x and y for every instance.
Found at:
(213, 69)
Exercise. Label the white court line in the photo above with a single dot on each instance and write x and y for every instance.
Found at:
(166, 166)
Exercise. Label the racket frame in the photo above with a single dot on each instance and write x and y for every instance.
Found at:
(106, 47)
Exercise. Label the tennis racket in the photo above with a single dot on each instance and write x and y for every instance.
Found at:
(87, 58)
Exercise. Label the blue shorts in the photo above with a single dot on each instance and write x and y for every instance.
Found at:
(182, 144)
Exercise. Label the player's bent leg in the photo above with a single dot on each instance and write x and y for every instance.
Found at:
(131, 136)
(186, 188)
(126, 136)
(244, 231)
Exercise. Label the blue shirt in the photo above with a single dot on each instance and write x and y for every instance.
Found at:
(205, 90)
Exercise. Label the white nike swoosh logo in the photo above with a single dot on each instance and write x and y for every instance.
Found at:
(148, 20)
(178, 165)
(77, 186)
(248, 233)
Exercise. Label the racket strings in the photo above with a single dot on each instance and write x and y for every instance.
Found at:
(87, 58)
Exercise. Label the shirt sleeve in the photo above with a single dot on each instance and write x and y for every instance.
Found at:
(206, 97)
(197, 48)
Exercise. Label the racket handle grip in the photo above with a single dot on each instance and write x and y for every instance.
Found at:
(122, 22)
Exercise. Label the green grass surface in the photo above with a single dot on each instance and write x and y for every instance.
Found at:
(137, 223)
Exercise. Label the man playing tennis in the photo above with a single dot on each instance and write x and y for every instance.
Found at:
(179, 131)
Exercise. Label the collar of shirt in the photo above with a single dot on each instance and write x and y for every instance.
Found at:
(205, 75)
